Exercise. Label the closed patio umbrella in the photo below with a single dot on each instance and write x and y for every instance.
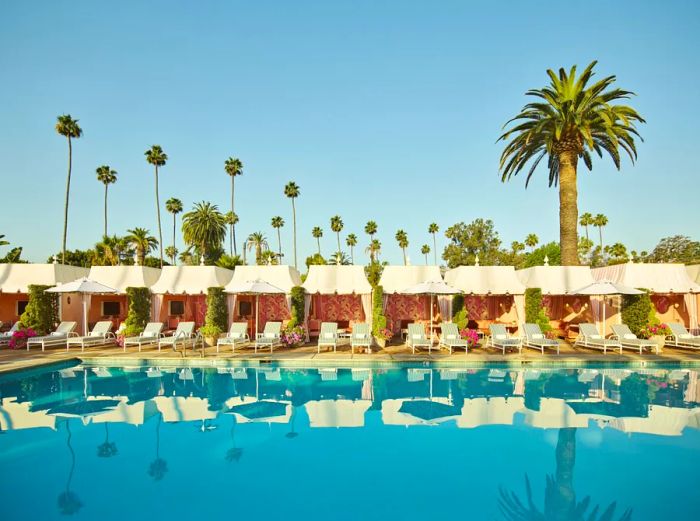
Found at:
(83, 286)
(255, 287)
(602, 288)
(432, 288)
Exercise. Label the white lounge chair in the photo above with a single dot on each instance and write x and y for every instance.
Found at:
(183, 335)
(534, 337)
(416, 338)
(237, 335)
(588, 336)
(101, 334)
(680, 337)
(328, 336)
(629, 340)
(57, 338)
(450, 337)
(150, 335)
(361, 337)
(500, 339)
(270, 337)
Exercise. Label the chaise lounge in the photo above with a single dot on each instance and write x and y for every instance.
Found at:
(589, 337)
(501, 340)
(416, 338)
(629, 340)
(184, 334)
(270, 337)
(450, 337)
(150, 335)
(237, 335)
(681, 337)
(57, 338)
(101, 334)
(534, 337)
(328, 337)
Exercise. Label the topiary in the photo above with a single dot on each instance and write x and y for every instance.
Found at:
(638, 312)
(216, 319)
(378, 317)
(298, 307)
(460, 315)
(534, 310)
(41, 313)
(139, 312)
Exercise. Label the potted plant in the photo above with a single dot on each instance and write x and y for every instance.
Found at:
(20, 337)
(656, 333)
(470, 335)
(293, 336)
(382, 336)
(210, 333)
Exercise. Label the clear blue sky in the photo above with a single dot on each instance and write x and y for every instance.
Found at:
(378, 110)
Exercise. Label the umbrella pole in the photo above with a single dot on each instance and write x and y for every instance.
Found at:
(257, 300)
(431, 319)
(85, 316)
(603, 316)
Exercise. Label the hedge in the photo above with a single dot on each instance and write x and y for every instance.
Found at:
(139, 312)
(534, 310)
(41, 313)
(298, 297)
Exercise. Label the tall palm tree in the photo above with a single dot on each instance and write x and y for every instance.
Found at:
(292, 191)
(204, 227)
(337, 227)
(373, 250)
(171, 251)
(106, 176)
(600, 221)
(233, 167)
(433, 229)
(402, 238)
(231, 221)
(531, 241)
(257, 242)
(351, 241)
(425, 249)
(277, 223)
(174, 206)
(67, 127)
(570, 120)
(141, 240)
(156, 157)
(317, 233)
(338, 259)
(158, 467)
(586, 220)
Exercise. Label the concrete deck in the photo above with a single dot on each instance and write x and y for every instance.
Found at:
(307, 355)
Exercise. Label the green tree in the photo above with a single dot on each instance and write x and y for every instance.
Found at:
(371, 229)
(257, 242)
(337, 227)
(292, 191)
(373, 250)
(569, 121)
(228, 262)
(106, 176)
(600, 221)
(141, 240)
(41, 313)
(110, 251)
(174, 206)
(531, 241)
(678, 248)
(466, 241)
(204, 227)
(351, 242)
(317, 233)
(402, 239)
(550, 251)
(233, 167)
(586, 220)
(277, 223)
(433, 229)
(156, 157)
(425, 250)
(171, 252)
(339, 258)
(67, 127)
(315, 259)
(617, 253)
(139, 310)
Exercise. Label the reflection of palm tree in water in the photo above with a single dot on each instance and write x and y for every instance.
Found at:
(158, 466)
(292, 433)
(559, 498)
(107, 449)
(234, 453)
(68, 502)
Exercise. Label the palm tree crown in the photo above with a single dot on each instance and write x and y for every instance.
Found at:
(531, 240)
(337, 227)
(433, 229)
(317, 233)
(204, 227)
(277, 222)
(156, 157)
(425, 249)
(233, 167)
(258, 242)
(371, 229)
(570, 120)
(373, 250)
(173, 206)
(106, 176)
(351, 241)
(402, 239)
(141, 240)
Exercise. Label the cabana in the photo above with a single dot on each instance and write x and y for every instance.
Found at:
(114, 307)
(15, 280)
(402, 309)
(558, 284)
(181, 293)
(673, 292)
(270, 307)
(493, 295)
(338, 294)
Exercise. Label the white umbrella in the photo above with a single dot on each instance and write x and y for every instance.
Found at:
(255, 287)
(606, 287)
(83, 286)
(432, 288)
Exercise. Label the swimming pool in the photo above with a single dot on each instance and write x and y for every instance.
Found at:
(349, 443)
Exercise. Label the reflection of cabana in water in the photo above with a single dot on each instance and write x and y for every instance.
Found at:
(114, 307)
(402, 309)
(493, 294)
(338, 294)
(661, 420)
(337, 413)
(183, 409)
(132, 413)
(18, 415)
(497, 410)
(554, 413)
(181, 293)
(259, 411)
(271, 307)
(418, 412)
(673, 293)
(15, 280)
(558, 284)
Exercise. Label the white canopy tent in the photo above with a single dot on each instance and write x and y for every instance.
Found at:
(397, 278)
(84, 287)
(556, 280)
(602, 289)
(283, 277)
(16, 278)
(122, 277)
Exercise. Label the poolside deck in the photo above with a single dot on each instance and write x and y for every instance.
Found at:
(307, 355)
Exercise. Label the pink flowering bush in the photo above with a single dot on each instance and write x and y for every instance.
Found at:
(293, 336)
(651, 330)
(384, 334)
(470, 335)
(20, 337)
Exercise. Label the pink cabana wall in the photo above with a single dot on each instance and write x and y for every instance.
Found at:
(488, 309)
(272, 308)
(343, 309)
(195, 310)
(406, 308)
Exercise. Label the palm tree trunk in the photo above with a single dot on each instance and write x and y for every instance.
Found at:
(65, 210)
(106, 185)
(318, 245)
(174, 248)
(279, 244)
(160, 231)
(294, 224)
(568, 208)
(586, 228)
(600, 236)
(338, 237)
(434, 251)
(352, 255)
(232, 240)
(426, 259)
(404, 256)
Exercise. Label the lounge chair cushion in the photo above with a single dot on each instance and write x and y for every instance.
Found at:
(269, 335)
(451, 337)
(500, 337)
(630, 336)
(595, 337)
(538, 336)
(416, 337)
(359, 335)
(685, 336)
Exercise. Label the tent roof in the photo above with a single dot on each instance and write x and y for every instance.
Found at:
(556, 280)
(694, 272)
(485, 280)
(658, 278)
(337, 413)
(397, 278)
(15, 278)
(283, 277)
(122, 277)
(191, 280)
(343, 280)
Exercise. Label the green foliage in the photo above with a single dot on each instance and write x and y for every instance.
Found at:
(678, 248)
(229, 261)
(298, 318)
(460, 316)
(41, 313)
(204, 227)
(550, 250)
(373, 271)
(216, 319)
(638, 312)
(469, 240)
(13, 256)
(82, 258)
(139, 312)
(534, 310)
(315, 259)
(378, 318)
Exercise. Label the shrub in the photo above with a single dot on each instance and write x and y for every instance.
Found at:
(638, 312)
(41, 313)
(216, 319)
(139, 312)
(534, 310)
(293, 335)
(378, 317)
(460, 316)
(373, 272)
(298, 297)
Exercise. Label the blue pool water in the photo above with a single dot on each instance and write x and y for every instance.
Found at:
(378, 443)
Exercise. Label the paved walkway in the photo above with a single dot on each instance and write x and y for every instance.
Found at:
(308, 355)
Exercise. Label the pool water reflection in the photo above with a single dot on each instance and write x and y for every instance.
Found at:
(350, 443)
